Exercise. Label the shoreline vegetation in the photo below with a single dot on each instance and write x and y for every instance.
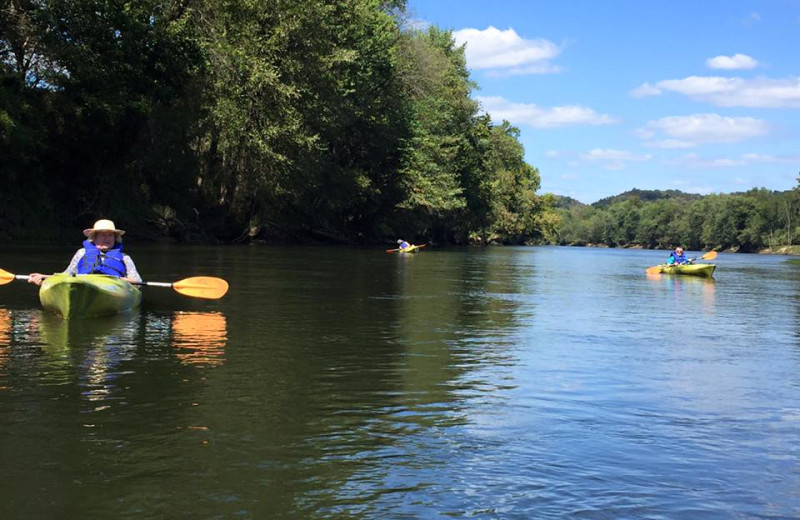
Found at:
(784, 250)
(232, 122)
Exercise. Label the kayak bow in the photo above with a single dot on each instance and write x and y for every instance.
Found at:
(88, 295)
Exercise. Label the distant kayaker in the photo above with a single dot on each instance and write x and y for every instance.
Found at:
(677, 257)
(101, 254)
(402, 244)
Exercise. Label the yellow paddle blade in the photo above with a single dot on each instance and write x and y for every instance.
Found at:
(653, 270)
(202, 287)
(6, 277)
(709, 256)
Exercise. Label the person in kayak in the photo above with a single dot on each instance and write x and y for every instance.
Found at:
(677, 257)
(402, 244)
(101, 254)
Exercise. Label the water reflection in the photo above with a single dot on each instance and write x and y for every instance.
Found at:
(97, 353)
(200, 337)
(513, 382)
(97, 349)
(679, 287)
(5, 342)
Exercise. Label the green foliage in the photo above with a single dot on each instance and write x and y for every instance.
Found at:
(213, 117)
(741, 221)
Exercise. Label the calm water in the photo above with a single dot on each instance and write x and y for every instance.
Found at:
(342, 383)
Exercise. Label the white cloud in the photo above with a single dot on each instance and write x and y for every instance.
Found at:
(613, 159)
(670, 144)
(737, 61)
(505, 52)
(696, 162)
(751, 19)
(645, 90)
(730, 92)
(532, 115)
(690, 131)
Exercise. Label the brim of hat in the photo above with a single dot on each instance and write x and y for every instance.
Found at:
(90, 232)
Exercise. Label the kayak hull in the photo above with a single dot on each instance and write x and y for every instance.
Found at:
(88, 295)
(703, 270)
(411, 249)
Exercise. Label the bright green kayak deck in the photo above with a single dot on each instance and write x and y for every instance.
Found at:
(706, 270)
(88, 295)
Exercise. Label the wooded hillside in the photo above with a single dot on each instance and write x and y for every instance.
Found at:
(239, 119)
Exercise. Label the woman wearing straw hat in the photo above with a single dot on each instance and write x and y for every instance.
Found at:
(101, 254)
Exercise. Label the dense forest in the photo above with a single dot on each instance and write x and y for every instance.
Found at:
(333, 120)
(748, 222)
(234, 120)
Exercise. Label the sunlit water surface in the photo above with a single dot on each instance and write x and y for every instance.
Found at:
(344, 383)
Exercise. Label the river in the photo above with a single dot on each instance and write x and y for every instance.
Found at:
(508, 382)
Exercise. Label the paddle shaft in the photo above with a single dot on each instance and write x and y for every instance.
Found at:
(207, 287)
(154, 284)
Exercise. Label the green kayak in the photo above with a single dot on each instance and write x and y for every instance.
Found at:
(706, 270)
(88, 295)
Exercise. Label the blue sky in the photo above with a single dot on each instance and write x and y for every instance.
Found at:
(702, 96)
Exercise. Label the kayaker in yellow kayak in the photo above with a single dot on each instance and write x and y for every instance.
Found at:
(678, 258)
(101, 254)
(402, 244)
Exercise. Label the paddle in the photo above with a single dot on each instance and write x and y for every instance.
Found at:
(206, 287)
(396, 250)
(657, 268)
(6, 277)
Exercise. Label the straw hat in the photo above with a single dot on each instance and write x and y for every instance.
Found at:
(103, 225)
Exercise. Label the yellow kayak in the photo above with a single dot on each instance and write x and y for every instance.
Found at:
(706, 270)
(411, 249)
(88, 295)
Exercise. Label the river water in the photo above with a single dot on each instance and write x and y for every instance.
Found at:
(538, 382)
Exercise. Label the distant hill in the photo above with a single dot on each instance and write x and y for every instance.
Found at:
(646, 196)
(567, 202)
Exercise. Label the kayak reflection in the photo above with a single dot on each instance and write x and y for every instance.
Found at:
(688, 286)
(97, 348)
(200, 337)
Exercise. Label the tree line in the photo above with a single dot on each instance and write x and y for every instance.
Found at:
(235, 120)
(748, 222)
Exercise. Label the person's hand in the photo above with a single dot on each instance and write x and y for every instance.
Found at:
(36, 278)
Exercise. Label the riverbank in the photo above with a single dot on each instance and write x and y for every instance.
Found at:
(781, 250)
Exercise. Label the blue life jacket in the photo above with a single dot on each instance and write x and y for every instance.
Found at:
(96, 262)
(675, 258)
